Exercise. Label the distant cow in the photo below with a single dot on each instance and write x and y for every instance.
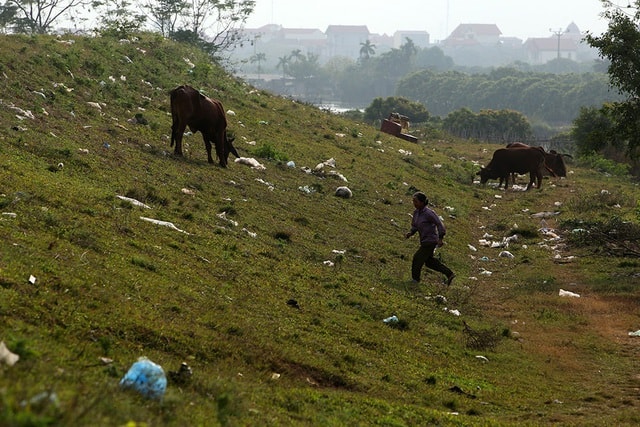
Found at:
(522, 160)
(552, 158)
(190, 108)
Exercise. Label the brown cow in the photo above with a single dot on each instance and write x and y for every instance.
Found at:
(552, 158)
(506, 161)
(190, 108)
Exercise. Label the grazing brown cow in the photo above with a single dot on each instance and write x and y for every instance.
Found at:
(506, 161)
(552, 158)
(191, 108)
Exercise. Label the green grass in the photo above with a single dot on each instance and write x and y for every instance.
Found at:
(216, 295)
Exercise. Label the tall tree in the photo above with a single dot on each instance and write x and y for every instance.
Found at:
(367, 49)
(258, 57)
(165, 14)
(220, 22)
(620, 45)
(37, 17)
(283, 62)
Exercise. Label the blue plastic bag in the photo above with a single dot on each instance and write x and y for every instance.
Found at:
(147, 378)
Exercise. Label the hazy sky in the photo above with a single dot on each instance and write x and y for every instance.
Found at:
(519, 18)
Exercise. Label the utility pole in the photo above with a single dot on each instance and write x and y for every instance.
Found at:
(558, 33)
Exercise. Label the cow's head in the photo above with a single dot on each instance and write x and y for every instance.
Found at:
(555, 161)
(229, 148)
(486, 174)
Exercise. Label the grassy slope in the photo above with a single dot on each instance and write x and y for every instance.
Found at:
(112, 285)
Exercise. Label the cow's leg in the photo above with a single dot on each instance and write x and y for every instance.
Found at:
(177, 132)
(221, 148)
(207, 145)
(532, 180)
(504, 178)
(539, 177)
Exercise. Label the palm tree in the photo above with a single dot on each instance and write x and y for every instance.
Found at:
(258, 57)
(297, 54)
(367, 49)
(283, 62)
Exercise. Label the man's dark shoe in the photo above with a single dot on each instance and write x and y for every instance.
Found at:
(450, 278)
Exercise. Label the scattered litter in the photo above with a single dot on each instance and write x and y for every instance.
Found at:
(635, 334)
(32, 279)
(291, 164)
(544, 214)
(473, 248)
(338, 252)
(307, 189)
(440, 299)
(506, 254)
(41, 400)
(454, 312)
(249, 161)
(344, 192)
(328, 263)
(483, 358)
(223, 215)
(182, 375)
(570, 294)
(7, 356)
(392, 319)
(163, 223)
(145, 377)
(275, 376)
(188, 191)
(486, 272)
(134, 202)
(250, 233)
(10, 214)
(268, 184)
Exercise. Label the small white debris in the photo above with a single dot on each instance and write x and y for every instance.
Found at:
(391, 319)
(506, 254)
(188, 191)
(250, 162)
(134, 202)
(473, 248)
(275, 376)
(451, 311)
(250, 233)
(569, 294)
(344, 192)
(10, 214)
(7, 356)
(268, 184)
(338, 252)
(483, 358)
(231, 113)
(32, 279)
(328, 263)
(163, 223)
(223, 215)
(497, 196)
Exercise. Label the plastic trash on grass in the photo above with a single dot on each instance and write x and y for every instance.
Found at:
(147, 378)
